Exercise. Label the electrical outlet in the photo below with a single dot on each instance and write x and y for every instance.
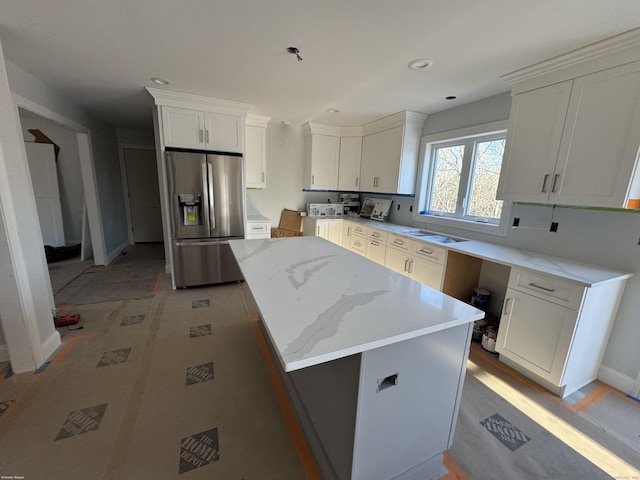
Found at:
(411, 208)
(398, 207)
(554, 227)
(516, 222)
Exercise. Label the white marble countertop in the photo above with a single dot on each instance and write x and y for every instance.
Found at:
(320, 302)
(582, 273)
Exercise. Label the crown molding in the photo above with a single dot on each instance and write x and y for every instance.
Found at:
(197, 102)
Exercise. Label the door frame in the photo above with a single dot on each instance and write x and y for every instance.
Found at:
(125, 187)
(83, 136)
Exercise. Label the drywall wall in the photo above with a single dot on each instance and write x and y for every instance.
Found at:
(103, 146)
(69, 175)
(26, 300)
(600, 237)
(128, 136)
(284, 175)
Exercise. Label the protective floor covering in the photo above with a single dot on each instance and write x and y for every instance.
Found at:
(165, 387)
(508, 428)
(134, 274)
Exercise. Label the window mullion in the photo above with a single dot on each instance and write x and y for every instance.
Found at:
(463, 189)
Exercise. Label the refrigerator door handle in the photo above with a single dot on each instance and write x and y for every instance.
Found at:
(201, 244)
(205, 192)
(212, 215)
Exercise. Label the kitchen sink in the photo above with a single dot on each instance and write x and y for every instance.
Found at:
(434, 237)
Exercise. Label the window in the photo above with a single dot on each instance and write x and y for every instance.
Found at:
(459, 181)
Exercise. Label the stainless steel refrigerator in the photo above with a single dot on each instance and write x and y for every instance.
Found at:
(207, 206)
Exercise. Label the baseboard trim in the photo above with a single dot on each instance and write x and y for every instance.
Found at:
(617, 380)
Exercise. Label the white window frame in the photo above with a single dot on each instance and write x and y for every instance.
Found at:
(427, 144)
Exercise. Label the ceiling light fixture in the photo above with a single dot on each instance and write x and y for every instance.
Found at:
(294, 51)
(333, 110)
(160, 81)
(420, 63)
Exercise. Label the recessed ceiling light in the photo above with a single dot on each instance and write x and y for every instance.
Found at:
(420, 63)
(333, 110)
(160, 81)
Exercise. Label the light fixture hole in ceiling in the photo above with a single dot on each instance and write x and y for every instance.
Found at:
(333, 110)
(294, 51)
(420, 63)
(160, 81)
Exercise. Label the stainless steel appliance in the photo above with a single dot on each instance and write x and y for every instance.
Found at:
(207, 207)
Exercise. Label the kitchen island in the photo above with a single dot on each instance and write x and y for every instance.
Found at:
(374, 362)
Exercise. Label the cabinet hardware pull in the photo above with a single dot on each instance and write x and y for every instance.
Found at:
(532, 284)
(375, 181)
(318, 230)
(555, 181)
(410, 266)
(201, 136)
(375, 235)
(375, 244)
(405, 265)
(357, 244)
(262, 177)
(357, 181)
(348, 231)
(428, 251)
(207, 135)
(313, 180)
(506, 304)
(544, 183)
(398, 242)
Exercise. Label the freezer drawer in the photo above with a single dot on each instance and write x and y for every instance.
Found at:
(203, 263)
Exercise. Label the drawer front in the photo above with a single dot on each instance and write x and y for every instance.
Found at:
(376, 251)
(359, 245)
(399, 242)
(377, 235)
(556, 290)
(258, 227)
(358, 230)
(428, 251)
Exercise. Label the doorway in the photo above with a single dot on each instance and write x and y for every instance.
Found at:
(142, 194)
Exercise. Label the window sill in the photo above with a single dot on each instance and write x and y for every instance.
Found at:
(480, 227)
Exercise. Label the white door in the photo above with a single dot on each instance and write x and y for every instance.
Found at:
(183, 127)
(44, 177)
(144, 194)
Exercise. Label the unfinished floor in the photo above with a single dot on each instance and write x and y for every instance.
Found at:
(178, 384)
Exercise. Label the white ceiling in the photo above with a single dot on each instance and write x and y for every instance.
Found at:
(355, 52)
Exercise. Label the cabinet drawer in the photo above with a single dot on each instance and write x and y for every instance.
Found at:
(258, 227)
(377, 235)
(359, 230)
(359, 245)
(376, 251)
(553, 289)
(399, 242)
(429, 252)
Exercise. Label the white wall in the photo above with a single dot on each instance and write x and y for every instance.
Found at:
(128, 136)
(69, 175)
(608, 238)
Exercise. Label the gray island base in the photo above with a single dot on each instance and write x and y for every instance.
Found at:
(374, 362)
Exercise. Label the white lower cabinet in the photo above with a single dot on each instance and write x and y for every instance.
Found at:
(327, 228)
(554, 330)
(257, 229)
(376, 245)
(418, 260)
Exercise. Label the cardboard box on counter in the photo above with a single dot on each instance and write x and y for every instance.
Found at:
(289, 226)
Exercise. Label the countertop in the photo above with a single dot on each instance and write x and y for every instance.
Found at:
(583, 273)
(320, 302)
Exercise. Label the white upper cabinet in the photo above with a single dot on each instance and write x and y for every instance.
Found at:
(321, 156)
(202, 123)
(255, 151)
(575, 141)
(390, 150)
(349, 163)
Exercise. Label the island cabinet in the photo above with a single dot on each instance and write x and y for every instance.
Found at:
(418, 260)
(575, 141)
(354, 237)
(360, 350)
(554, 330)
(255, 151)
(390, 149)
(185, 128)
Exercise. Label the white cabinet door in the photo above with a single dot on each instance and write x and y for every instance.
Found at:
(426, 272)
(376, 251)
(183, 128)
(334, 231)
(398, 261)
(349, 166)
(536, 334)
(389, 161)
(255, 157)
(599, 148)
(370, 160)
(223, 132)
(533, 140)
(322, 154)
